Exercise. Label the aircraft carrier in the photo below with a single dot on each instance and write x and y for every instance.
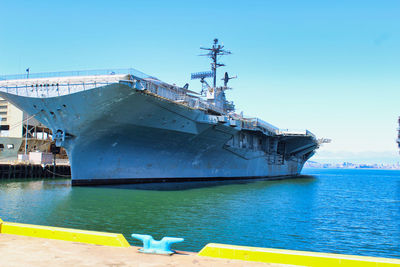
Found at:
(123, 126)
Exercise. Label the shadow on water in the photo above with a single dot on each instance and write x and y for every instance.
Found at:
(161, 186)
(188, 185)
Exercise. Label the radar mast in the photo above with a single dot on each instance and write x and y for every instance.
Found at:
(214, 52)
(215, 95)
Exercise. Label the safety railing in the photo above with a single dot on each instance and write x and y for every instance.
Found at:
(296, 132)
(50, 90)
(257, 124)
(176, 94)
(74, 73)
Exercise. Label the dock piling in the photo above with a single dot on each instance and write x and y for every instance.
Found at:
(33, 171)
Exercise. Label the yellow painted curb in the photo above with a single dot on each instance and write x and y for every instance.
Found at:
(66, 234)
(292, 257)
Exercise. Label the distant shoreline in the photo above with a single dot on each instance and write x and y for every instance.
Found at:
(353, 168)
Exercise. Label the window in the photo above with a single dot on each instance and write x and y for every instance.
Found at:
(3, 119)
(3, 107)
(3, 112)
(4, 127)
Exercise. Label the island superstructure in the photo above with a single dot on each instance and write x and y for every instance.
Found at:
(123, 126)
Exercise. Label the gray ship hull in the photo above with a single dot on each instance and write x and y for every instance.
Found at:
(116, 134)
(152, 154)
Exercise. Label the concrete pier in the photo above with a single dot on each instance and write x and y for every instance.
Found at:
(16, 250)
(65, 247)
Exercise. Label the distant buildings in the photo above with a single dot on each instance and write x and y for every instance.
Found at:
(16, 127)
(11, 120)
(349, 165)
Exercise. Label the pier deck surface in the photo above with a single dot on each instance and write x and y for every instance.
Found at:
(30, 251)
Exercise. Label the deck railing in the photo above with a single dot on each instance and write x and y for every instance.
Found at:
(50, 90)
(74, 73)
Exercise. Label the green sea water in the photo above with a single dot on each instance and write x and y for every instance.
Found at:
(338, 211)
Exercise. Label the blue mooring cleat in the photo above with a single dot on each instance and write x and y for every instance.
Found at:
(158, 247)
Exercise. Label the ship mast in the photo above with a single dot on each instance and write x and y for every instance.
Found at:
(214, 52)
(215, 95)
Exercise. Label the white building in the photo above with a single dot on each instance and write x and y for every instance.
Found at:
(16, 127)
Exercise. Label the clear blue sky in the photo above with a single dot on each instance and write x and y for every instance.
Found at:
(330, 66)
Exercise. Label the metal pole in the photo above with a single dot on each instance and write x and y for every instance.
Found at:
(54, 166)
(214, 57)
(26, 135)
